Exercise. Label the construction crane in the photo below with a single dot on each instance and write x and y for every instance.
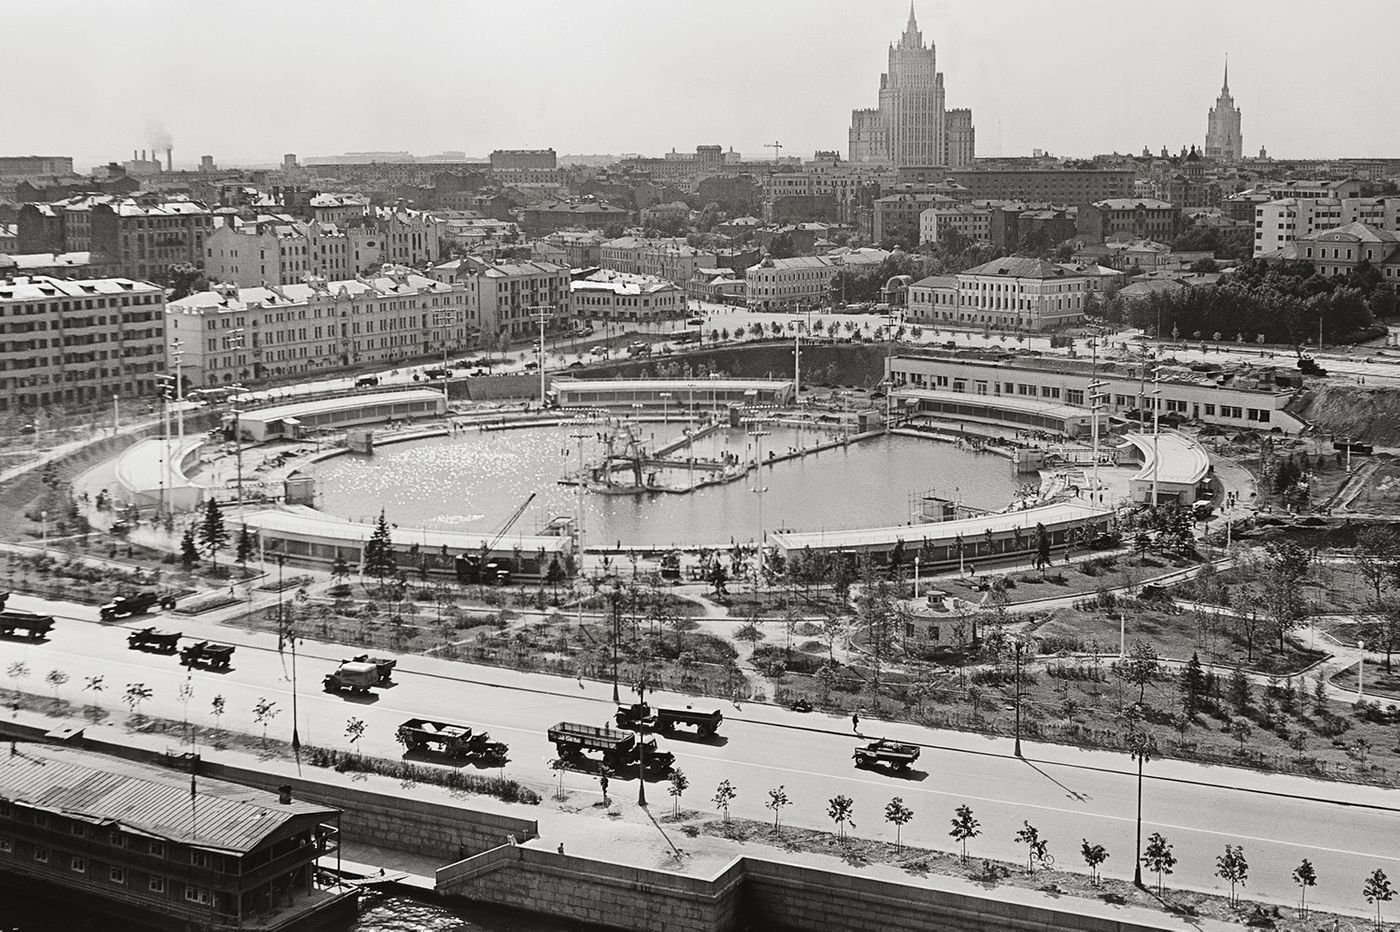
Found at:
(777, 147)
(475, 568)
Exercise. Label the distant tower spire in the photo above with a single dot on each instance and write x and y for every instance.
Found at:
(911, 38)
(1226, 88)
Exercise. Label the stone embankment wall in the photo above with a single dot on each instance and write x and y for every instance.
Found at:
(749, 893)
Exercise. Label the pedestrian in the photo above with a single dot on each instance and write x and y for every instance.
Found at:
(230, 590)
(855, 722)
(603, 782)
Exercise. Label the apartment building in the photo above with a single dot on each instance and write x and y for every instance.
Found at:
(510, 297)
(1340, 250)
(898, 216)
(147, 236)
(972, 222)
(80, 342)
(231, 334)
(670, 258)
(272, 250)
(1279, 223)
(774, 284)
(1241, 399)
(1138, 218)
(1070, 187)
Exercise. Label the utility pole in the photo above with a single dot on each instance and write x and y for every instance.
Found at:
(444, 321)
(579, 435)
(1156, 394)
(541, 312)
(235, 341)
(177, 353)
(1017, 646)
(758, 432)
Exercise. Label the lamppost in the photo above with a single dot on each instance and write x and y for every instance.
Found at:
(541, 312)
(665, 407)
(177, 353)
(1094, 406)
(641, 745)
(579, 435)
(1156, 394)
(235, 341)
(1017, 647)
(1141, 746)
(289, 632)
(1361, 673)
(444, 319)
(616, 598)
(758, 432)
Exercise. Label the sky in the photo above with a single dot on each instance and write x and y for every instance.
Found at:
(247, 80)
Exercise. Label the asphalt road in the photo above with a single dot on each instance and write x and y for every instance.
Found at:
(1346, 831)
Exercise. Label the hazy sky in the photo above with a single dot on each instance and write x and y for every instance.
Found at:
(250, 79)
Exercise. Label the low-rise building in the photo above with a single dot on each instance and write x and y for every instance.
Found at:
(897, 216)
(542, 219)
(230, 334)
(56, 265)
(670, 258)
(1340, 250)
(717, 286)
(788, 283)
(609, 295)
(163, 848)
(1241, 399)
(1016, 293)
(78, 342)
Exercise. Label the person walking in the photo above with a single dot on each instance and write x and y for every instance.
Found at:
(855, 722)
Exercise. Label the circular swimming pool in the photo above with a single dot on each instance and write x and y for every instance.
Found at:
(474, 481)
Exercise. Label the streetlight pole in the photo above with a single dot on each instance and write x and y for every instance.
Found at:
(1141, 747)
(1017, 647)
(541, 312)
(1361, 673)
(177, 353)
(758, 432)
(641, 748)
(579, 435)
(444, 321)
(1156, 394)
(617, 634)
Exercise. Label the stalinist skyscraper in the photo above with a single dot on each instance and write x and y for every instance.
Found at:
(1223, 138)
(911, 126)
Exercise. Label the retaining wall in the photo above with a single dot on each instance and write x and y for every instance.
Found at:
(749, 893)
(598, 892)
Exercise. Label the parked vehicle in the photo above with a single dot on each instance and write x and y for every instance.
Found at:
(352, 677)
(4, 597)
(33, 625)
(137, 603)
(884, 753)
(671, 565)
(206, 654)
(639, 348)
(667, 720)
(438, 372)
(161, 642)
(619, 750)
(599, 351)
(454, 741)
(367, 381)
(386, 666)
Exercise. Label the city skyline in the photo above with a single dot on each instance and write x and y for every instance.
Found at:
(1073, 81)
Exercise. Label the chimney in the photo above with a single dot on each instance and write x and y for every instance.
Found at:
(133, 155)
(284, 794)
(143, 155)
(169, 159)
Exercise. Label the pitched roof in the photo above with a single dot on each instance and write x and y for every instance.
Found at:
(1021, 267)
(157, 802)
(1354, 232)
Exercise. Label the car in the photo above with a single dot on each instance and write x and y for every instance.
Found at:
(438, 372)
(531, 366)
(576, 364)
(367, 381)
(481, 372)
(695, 322)
(600, 351)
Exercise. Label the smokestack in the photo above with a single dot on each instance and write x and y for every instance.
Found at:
(133, 155)
(169, 159)
(143, 155)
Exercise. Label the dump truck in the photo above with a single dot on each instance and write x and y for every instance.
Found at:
(650, 718)
(883, 753)
(618, 750)
(454, 741)
(161, 642)
(207, 654)
(352, 676)
(136, 603)
(385, 664)
(34, 626)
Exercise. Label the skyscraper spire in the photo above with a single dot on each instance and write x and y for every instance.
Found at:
(911, 39)
(1226, 88)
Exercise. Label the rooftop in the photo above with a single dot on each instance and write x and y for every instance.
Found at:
(230, 298)
(969, 528)
(33, 287)
(1021, 267)
(109, 791)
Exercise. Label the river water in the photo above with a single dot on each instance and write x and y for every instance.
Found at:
(474, 481)
(378, 913)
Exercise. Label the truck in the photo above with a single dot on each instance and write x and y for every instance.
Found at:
(161, 642)
(207, 654)
(135, 603)
(650, 718)
(618, 750)
(351, 676)
(639, 348)
(884, 753)
(671, 565)
(385, 664)
(34, 626)
(454, 741)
